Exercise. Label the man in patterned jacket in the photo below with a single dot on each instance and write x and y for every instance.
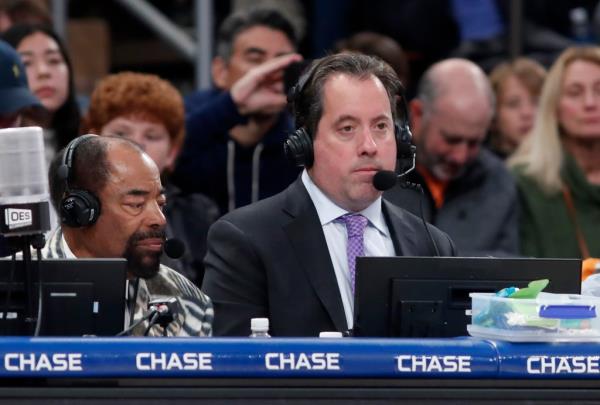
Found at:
(109, 196)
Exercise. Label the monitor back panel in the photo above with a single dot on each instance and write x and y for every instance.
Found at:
(80, 297)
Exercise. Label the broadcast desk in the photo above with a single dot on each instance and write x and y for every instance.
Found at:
(349, 370)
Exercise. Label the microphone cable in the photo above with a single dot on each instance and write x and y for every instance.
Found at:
(419, 188)
(152, 322)
(146, 316)
(9, 287)
(40, 311)
(385, 180)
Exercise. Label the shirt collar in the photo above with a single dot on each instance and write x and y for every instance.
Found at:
(328, 211)
(68, 253)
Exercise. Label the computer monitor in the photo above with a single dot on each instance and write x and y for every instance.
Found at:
(428, 296)
(80, 297)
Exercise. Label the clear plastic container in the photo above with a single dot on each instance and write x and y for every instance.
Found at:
(549, 317)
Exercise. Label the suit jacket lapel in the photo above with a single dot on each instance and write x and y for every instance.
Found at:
(403, 236)
(306, 235)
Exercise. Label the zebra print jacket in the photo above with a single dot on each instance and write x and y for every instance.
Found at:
(195, 310)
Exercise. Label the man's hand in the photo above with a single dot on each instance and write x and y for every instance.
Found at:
(261, 89)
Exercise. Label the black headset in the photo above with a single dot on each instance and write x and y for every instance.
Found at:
(78, 208)
(298, 147)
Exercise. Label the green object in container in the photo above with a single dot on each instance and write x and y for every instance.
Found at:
(532, 290)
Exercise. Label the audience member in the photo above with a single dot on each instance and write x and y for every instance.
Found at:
(50, 78)
(233, 151)
(15, 96)
(23, 11)
(149, 111)
(384, 47)
(557, 165)
(517, 85)
(287, 257)
(109, 194)
(468, 192)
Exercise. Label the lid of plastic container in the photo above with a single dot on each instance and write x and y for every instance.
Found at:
(259, 324)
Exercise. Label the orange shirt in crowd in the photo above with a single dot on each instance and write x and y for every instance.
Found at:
(436, 187)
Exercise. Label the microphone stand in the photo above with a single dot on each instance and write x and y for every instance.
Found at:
(24, 243)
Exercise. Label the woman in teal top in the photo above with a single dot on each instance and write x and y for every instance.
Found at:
(558, 165)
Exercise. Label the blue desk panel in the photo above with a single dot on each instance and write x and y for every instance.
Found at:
(459, 358)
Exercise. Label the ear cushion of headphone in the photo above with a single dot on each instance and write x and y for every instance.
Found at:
(405, 150)
(79, 208)
(403, 138)
(299, 149)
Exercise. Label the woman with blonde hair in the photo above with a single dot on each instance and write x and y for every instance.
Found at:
(558, 165)
(517, 85)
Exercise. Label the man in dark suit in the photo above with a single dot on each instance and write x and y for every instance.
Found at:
(291, 257)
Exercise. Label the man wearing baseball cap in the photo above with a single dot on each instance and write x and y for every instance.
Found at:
(15, 96)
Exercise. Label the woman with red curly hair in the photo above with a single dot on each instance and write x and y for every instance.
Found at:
(149, 111)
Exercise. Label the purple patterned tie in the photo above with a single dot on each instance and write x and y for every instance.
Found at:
(355, 226)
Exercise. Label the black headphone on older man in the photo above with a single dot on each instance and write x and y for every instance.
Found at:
(78, 207)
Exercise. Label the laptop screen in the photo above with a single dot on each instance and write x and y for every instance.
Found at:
(428, 296)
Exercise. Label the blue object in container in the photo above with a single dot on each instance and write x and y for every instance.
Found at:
(506, 292)
(568, 311)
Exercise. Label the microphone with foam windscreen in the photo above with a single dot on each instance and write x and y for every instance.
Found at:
(24, 190)
(385, 179)
(174, 248)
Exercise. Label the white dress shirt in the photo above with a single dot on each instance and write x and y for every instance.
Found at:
(65, 247)
(377, 240)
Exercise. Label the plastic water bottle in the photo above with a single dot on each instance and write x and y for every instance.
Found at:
(259, 328)
(330, 334)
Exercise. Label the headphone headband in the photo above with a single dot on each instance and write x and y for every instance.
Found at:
(78, 208)
(67, 161)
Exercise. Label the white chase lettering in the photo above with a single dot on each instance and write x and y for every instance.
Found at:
(302, 361)
(42, 362)
(173, 361)
(563, 365)
(434, 364)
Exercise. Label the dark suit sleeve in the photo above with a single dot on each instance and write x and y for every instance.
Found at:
(234, 279)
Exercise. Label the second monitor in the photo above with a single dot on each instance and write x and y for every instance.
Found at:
(428, 296)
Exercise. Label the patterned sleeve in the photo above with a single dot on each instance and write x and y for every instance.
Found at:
(197, 306)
